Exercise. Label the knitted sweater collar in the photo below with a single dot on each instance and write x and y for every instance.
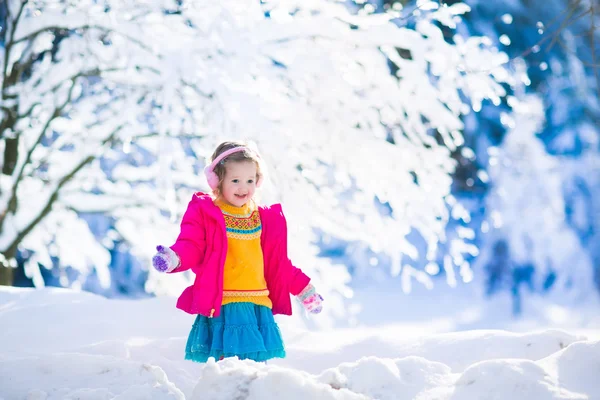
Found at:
(242, 211)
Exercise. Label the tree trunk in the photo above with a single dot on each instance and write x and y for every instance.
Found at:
(11, 155)
(7, 273)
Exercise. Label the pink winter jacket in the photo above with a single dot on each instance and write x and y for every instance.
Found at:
(202, 247)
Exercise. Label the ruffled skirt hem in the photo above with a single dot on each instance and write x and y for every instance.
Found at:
(244, 330)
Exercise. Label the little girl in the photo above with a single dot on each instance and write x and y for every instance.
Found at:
(238, 252)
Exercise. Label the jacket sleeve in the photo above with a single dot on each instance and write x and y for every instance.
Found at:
(297, 279)
(190, 245)
(294, 277)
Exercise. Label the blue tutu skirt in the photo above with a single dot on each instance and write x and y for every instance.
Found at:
(245, 330)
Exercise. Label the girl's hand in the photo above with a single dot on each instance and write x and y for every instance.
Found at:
(166, 260)
(311, 300)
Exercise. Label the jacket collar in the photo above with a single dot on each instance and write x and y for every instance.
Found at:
(205, 201)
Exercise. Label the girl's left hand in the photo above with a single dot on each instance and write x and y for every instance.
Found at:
(311, 300)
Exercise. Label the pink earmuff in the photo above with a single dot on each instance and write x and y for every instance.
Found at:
(209, 171)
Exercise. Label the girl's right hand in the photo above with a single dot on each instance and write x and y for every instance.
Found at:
(165, 260)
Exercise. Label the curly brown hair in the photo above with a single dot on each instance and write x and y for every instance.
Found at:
(240, 156)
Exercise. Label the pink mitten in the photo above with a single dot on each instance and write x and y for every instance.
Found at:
(311, 300)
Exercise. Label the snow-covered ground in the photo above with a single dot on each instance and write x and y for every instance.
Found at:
(61, 344)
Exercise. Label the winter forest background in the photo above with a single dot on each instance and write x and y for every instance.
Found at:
(435, 144)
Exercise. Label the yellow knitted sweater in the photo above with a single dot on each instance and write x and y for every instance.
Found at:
(243, 275)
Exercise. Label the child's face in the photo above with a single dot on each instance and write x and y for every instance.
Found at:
(239, 184)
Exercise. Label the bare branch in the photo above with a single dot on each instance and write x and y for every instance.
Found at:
(554, 37)
(556, 34)
(565, 25)
(569, 10)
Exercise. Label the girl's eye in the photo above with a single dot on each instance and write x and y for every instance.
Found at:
(250, 180)
(235, 181)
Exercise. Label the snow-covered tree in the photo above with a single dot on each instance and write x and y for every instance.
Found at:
(528, 239)
(120, 106)
(553, 46)
(79, 81)
(582, 191)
